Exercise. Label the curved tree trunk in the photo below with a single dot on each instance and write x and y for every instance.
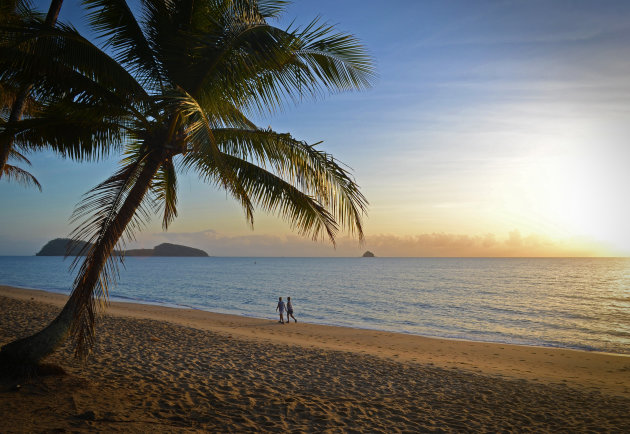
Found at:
(29, 351)
(17, 109)
(33, 349)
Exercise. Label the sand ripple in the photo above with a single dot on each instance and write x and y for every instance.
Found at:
(147, 375)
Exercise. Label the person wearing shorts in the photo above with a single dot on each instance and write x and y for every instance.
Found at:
(280, 307)
(290, 310)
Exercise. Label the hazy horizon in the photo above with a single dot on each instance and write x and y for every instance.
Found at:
(442, 246)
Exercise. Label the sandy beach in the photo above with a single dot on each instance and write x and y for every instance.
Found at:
(163, 369)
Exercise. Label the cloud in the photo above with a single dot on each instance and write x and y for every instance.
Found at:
(514, 244)
(486, 245)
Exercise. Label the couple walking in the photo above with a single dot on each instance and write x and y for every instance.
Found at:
(289, 308)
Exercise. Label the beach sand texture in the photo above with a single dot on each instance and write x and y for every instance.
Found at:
(161, 369)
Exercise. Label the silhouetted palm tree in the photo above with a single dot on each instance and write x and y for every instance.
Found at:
(195, 69)
(15, 101)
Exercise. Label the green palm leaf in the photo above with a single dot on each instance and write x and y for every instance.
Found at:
(83, 132)
(199, 139)
(164, 188)
(302, 165)
(115, 23)
(272, 194)
(59, 61)
(259, 67)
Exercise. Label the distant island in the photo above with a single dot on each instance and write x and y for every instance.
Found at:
(167, 249)
(368, 254)
(58, 247)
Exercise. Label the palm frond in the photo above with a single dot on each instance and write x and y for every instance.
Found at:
(79, 131)
(15, 155)
(60, 62)
(301, 164)
(338, 60)
(164, 188)
(114, 22)
(20, 176)
(200, 139)
(272, 8)
(274, 195)
(259, 67)
(15, 11)
(215, 113)
(109, 214)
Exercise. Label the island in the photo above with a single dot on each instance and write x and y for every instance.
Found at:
(368, 254)
(59, 247)
(167, 249)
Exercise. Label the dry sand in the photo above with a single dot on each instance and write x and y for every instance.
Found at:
(161, 369)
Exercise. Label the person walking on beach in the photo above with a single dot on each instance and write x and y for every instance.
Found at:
(290, 310)
(280, 307)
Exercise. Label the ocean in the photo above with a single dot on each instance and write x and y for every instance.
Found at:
(580, 303)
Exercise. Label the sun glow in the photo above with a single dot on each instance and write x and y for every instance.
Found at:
(574, 196)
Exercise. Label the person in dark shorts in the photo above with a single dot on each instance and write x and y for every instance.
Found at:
(280, 307)
(290, 310)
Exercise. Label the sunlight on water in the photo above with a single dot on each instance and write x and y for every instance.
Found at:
(574, 303)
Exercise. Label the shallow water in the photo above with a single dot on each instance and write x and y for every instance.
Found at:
(579, 303)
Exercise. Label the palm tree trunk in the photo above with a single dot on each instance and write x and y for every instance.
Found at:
(28, 352)
(17, 109)
(33, 349)
(53, 12)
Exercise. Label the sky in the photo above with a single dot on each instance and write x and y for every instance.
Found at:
(494, 128)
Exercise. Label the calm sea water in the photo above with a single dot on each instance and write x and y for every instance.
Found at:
(570, 303)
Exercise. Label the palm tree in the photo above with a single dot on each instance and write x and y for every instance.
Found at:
(195, 72)
(16, 101)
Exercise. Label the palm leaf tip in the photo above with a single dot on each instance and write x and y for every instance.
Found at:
(164, 188)
(339, 60)
(21, 176)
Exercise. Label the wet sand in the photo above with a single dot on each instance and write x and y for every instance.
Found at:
(163, 369)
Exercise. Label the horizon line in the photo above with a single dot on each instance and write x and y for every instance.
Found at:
(304, 257)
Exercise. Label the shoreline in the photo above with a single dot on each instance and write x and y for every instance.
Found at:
(588, 370)
(163, 369)
(125, 300)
